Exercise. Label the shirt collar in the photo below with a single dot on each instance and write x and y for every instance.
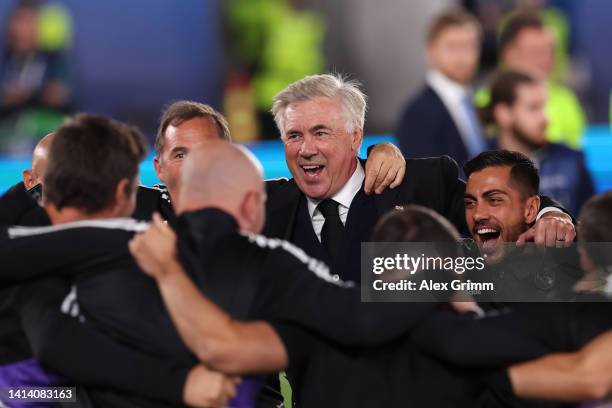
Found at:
(346, 194)
(446, 87)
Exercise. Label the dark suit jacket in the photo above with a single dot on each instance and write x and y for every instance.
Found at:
(426, 129)
(431, 182)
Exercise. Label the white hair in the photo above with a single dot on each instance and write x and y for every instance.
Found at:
(353, 100)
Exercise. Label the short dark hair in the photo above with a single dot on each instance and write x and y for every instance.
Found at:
(523, 171)
(89, 156)
(595, 225)
(182, 111)
(451, 18)
(414, 223)
(503, 91)
(518, 22)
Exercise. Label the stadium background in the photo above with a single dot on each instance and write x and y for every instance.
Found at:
(132, 58)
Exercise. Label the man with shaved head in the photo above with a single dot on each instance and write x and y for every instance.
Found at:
(214, 272)
(225, 177)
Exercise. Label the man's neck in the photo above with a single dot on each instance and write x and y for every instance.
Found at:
(433, 73)
(73, 214)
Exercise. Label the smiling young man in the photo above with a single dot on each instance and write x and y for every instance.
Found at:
(501, 199)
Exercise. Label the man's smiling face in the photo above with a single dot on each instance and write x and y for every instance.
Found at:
(495, 210)
(319, 151)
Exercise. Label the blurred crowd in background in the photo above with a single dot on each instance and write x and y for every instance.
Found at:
(129, 60)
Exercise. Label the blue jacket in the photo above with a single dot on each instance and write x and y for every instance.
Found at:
(563, 175)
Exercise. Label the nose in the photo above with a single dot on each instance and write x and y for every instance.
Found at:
(308, 148)
(479, 214)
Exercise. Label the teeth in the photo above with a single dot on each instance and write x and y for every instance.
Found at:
(486, 230)
(310, 167)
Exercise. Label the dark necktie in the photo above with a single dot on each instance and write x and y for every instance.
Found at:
(331, 234)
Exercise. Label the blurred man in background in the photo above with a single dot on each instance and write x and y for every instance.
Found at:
(526, 45)
(518, 113)
(441, 118)
(35, 85)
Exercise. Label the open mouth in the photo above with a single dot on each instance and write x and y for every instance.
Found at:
(312, 171)
(488, 233)
(488, 237)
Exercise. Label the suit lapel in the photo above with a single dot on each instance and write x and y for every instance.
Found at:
(281, 209)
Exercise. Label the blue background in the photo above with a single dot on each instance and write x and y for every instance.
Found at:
(597, 150)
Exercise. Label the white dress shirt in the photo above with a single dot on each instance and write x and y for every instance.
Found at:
(344, 198)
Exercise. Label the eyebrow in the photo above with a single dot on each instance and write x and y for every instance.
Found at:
(489, 193)
(468, 196)
(319, 127)
(178, 149)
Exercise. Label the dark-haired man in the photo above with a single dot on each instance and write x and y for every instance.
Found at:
(501, 200)
(577, 333)
(95, 193)
(501, 203)
(518, 112)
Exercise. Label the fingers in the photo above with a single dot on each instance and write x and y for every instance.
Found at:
(157, 219)
(548, 235)
(550, 232)
(570, 236)
(387, 181)
(372, 169)
(229, 389)
(399, 177)
(384, 178)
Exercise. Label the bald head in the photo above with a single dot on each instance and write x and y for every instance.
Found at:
(34, 176)
(222, 175)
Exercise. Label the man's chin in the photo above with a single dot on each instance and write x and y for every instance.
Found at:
(313, 190)
(493, 252)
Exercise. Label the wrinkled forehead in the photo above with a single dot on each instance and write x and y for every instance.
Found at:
(301, 115)
(191, 133)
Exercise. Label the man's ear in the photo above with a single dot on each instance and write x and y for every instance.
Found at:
(356, 140)
(248, 210)
(28, 179)
(532, 208)
(122, 193)
(158, 168)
